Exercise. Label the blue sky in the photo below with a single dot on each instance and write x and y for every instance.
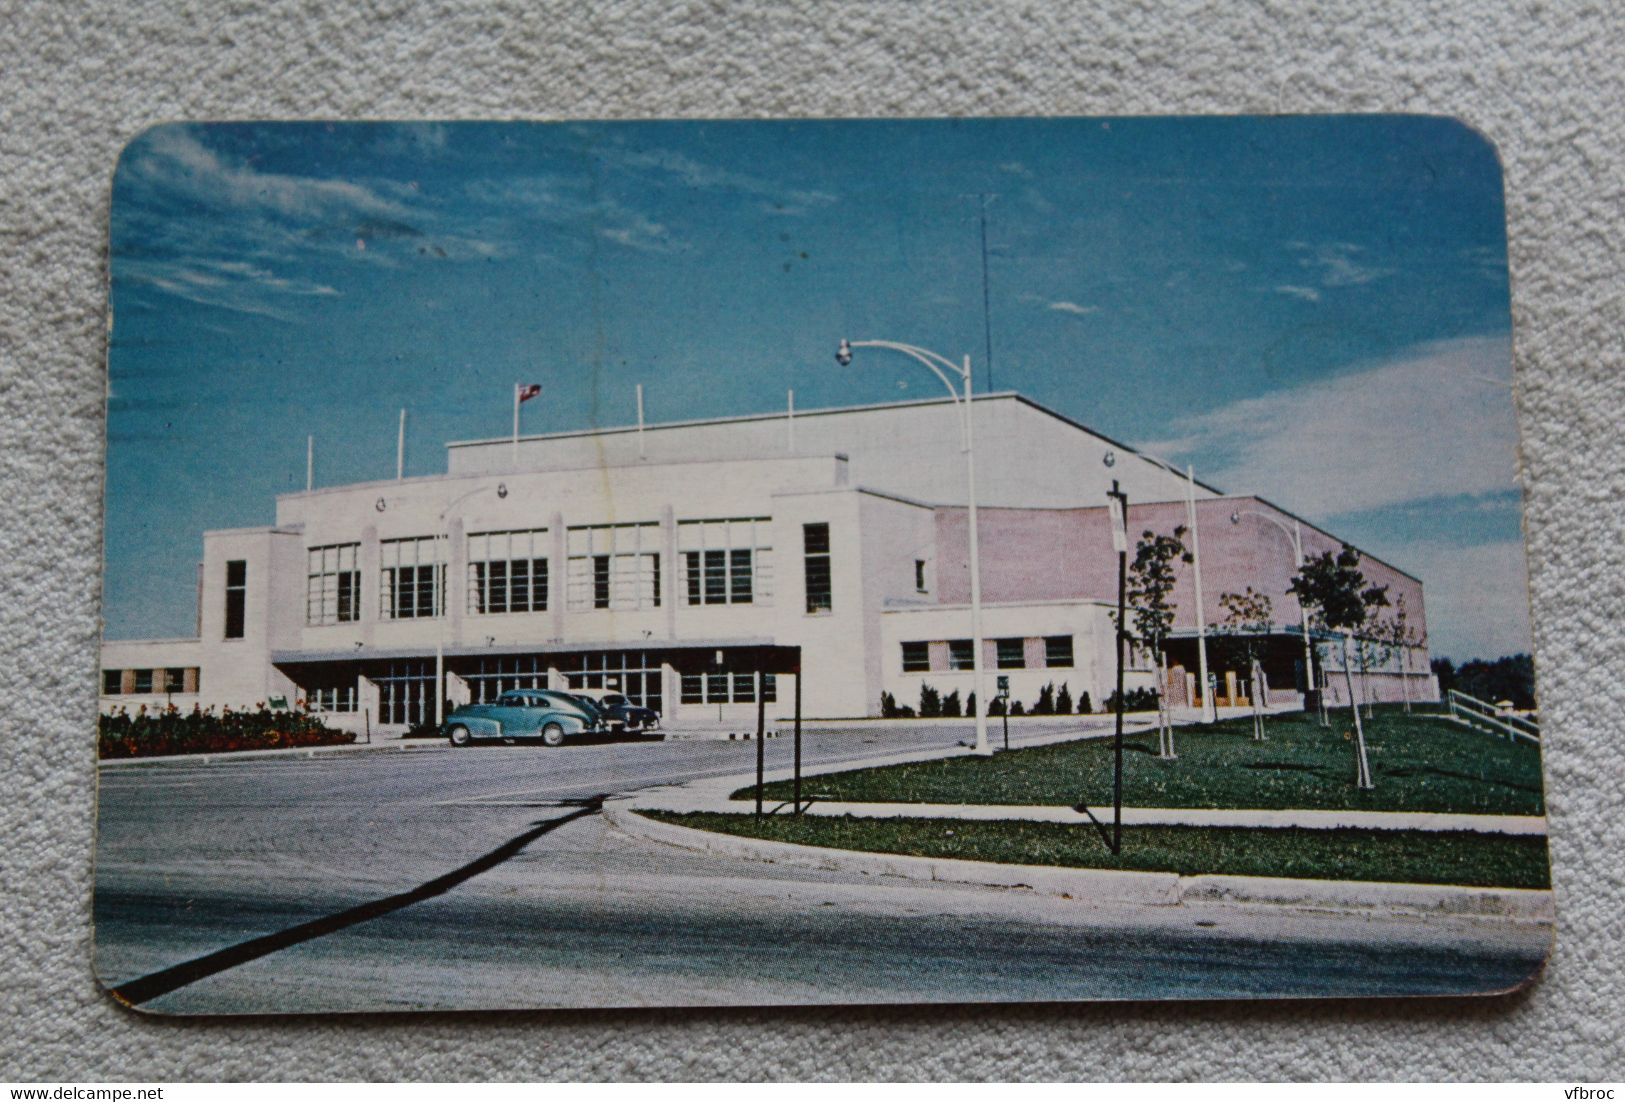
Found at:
(1315, 310)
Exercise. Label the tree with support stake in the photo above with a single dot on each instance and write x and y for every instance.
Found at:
(1247, 622)
(1335, 589)
(1151, 580)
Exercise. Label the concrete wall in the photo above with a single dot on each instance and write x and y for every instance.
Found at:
(1025, 455)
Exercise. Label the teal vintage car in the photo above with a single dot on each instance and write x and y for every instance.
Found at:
(541, 714)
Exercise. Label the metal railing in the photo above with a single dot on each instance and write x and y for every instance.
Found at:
(1473, 712)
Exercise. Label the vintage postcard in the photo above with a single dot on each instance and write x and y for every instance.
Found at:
(750, 563)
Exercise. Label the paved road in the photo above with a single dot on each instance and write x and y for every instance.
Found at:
(482, 879)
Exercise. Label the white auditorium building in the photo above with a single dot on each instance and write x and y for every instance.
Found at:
(677, 562)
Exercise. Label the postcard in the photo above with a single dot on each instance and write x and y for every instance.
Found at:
(649, 564)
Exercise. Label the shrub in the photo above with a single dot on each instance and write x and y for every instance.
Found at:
(1135, 700)
(950, 704)
(1085, 705)
(1063, 701)
(141, 734)
(930, 702)
(1045, 704)
(888, 705)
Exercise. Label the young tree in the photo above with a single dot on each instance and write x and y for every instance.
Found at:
(1340, 600)
(1063, 701)
(1399, 637)
(1150, 581)
(1247, 623)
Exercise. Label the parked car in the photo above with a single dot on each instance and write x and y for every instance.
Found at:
(541, 714)
(619, 713)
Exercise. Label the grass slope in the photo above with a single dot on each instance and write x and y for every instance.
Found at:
(1419, 763)
(1480, 860)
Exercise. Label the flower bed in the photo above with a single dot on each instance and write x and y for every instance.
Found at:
(144, 734)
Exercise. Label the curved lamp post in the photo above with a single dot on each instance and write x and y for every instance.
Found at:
(1210, 711)
(942, 368)
(443, 568)
(1295, 534)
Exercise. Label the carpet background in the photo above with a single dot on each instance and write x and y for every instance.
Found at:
(1543, 80)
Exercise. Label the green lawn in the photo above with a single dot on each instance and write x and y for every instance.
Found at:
(1419, 763)
(1421, 857)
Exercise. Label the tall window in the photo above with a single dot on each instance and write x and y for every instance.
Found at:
(635, 674)
(960, 655)
(332, 698)
(919, 575)
(1012, 654)
(112, 682)
(815, 548)
(726, 562)
(496, 674)
(507, 572)
(410, 576)
(236, 597)
(406, 692)
(613, 566)
(916, 657)
(1057, 650)
(143, 681)
(333, 584)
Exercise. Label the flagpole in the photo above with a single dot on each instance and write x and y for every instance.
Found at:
(516, 425)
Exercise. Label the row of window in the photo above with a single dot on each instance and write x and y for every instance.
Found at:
(608, 566)
(727, 688)
(1009, 654)
(129, 682)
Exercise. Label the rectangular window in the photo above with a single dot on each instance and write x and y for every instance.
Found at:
(143, 681)
(919, 575)
(723, 688)
(333, 584)
(815, 548)
(613, 566)
(1057, 650)
(725, 562)
(112, 682)
(960, 655)
(236, 597)
(175, 681)
(916, 657)
(410, 577)
(406, 692)
(1012, 654)
(507, 572)
(332, 698)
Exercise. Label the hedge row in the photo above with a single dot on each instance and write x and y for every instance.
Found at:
(144, 734)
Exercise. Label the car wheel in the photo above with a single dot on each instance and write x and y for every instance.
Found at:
(552, 734)
(458, 735)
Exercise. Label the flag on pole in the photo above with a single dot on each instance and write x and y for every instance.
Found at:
(526, 391)
(1119, 523)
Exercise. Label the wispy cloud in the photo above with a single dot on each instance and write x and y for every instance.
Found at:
(1065, 307)
(1308, 294)
(1432, 423)
(1477, 597)
(1337, 263)
(697, 174)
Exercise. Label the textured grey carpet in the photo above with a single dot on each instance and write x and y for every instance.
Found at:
(1543, 80)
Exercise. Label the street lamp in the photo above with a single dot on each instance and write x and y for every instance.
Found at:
(1209, 711)
(442, 568)
(1295, 534)
(942, 367)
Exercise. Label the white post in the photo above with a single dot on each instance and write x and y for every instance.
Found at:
(1209, 712)
(1303, 616)
(400, 448)
(640, 421)
(975, 573)
(515, 448)
(310, 463)
(790, 422)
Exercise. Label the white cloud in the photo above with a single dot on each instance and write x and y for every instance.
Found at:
(1337, 263)
(1429, 424)
(1308, 294)
(1073, 308)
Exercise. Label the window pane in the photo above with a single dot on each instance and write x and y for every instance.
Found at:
(744, 688)
(959, 654)
(816, 537)
(112, 682)
(1058, 650)
(916, 657)
(739, 577)
(1012, 654)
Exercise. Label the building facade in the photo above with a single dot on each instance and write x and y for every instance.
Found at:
(695, 566)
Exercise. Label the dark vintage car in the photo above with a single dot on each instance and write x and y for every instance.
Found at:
(618, 713)
(541, 714)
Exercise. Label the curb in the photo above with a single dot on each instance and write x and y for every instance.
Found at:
(1150, 888)
(1110, 885)
(259, 755)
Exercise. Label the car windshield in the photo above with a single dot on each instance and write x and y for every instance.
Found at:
(614, 700)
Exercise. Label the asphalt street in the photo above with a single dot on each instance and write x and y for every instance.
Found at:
(484, 879)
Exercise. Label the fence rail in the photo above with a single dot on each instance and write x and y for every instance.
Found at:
(1473, 712)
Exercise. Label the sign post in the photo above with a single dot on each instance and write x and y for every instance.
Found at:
(1004, 699)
